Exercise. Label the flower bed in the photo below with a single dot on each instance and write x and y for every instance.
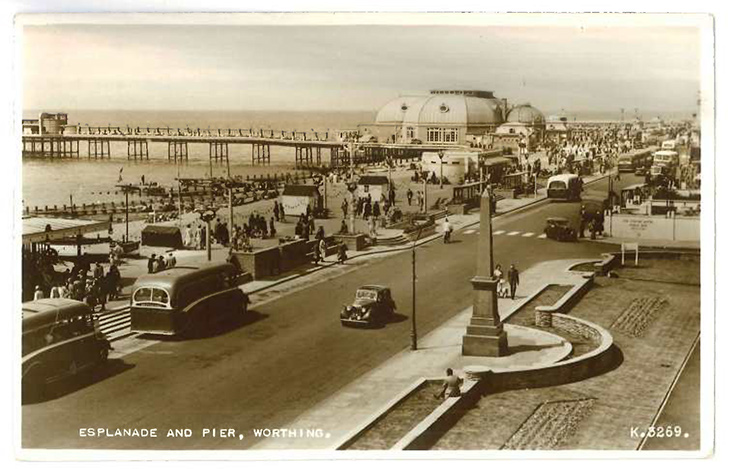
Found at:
(400, 419)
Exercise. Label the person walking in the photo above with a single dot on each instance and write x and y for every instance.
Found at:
(342, 253)
(501, 284)
(272, 228)
(171, 260)
(447, 231)
(344, 206)
(276, 210)
(409, 196)
(583, 215)
(151, 264)
(513, 277)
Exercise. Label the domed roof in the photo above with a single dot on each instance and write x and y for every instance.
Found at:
(525, 114)
(442, 109)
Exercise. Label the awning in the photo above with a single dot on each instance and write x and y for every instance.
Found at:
(40, 229)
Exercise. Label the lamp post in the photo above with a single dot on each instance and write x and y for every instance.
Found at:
(441, 169)
(207, 216)
(127, 188)
(414, 335)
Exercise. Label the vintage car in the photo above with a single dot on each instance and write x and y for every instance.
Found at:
(559, 229)
(373, 305)
(61, 338)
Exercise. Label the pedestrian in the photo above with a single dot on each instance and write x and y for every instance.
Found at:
(151, 264)
(276, 210)
(342, 253)
(451, 386)
(513, 277)
(233, 260)
(160, 263)
(344, 206)
(583, 215)
(98, 271)
(447, 230)
(171, 261)
(501, 284)
(188, 240)
(371, 227)
(376, 210)
(322, 248)
(55, 292)
(272, 228)
(316, 253)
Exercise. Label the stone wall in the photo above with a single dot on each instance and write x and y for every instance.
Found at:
(276, 260)
(640, 227)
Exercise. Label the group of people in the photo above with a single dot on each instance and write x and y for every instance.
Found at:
(507, 283)
(305, 225)
(95, 289)
(593, 221)
(159, 263)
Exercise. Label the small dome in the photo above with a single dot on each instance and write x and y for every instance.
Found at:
(525, 114)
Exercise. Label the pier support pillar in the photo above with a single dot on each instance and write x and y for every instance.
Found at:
(138, 148)
(98, 148)
(261, 154)
(177, 150)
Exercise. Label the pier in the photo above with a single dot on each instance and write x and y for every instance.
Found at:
(310, 148)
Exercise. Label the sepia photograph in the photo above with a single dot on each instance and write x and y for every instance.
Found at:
(278, 235)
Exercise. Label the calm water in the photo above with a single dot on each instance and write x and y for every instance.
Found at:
(47, 182)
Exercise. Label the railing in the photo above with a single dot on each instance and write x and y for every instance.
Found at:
(316, 136)
(467, 192)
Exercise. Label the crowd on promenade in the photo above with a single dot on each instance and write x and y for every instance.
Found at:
(82, 283)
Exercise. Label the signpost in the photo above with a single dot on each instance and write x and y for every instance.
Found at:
(629, 247)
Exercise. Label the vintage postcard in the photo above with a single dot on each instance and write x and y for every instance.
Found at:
(350, 235)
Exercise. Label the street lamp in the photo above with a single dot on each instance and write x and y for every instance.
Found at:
(441, 169)
(414, 335)
(352, 187)
(207, 216)
(127, 188)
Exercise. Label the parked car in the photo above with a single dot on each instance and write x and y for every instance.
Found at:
(373, 306)
(61, 338)
(559, 229)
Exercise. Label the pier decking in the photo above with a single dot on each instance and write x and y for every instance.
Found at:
(308, 146)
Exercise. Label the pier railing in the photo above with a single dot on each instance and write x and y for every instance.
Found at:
(330, 135)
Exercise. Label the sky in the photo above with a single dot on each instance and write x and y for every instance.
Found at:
(355, 67)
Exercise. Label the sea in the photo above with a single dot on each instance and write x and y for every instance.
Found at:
(48, 182)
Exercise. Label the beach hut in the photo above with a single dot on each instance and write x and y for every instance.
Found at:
(162, 236)
(375, 186)
(297, 197)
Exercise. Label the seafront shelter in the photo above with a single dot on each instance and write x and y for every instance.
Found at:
(375, 186)
(297, 197)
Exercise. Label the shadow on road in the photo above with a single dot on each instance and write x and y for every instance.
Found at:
(396, 318)
(112, 367)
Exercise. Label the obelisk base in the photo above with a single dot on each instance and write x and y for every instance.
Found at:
(485, 336)
(484, 346)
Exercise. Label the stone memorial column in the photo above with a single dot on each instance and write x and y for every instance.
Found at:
(485, 336)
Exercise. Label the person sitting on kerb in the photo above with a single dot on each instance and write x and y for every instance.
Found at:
(451, 386)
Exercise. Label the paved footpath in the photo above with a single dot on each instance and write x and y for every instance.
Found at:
(355, 404)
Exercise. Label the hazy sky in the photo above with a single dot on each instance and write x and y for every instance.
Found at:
(68, 67)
